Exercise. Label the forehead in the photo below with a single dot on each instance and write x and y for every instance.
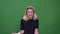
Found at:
(30, 10)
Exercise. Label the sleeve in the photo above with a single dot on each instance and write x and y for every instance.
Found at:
(37, 24)
(22, 25)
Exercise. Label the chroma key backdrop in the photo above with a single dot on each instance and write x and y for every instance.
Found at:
(12, 11)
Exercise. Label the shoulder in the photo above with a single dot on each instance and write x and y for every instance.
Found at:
(36, 20)
(22, 20)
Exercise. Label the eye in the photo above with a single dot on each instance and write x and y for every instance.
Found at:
(28, 12)
(31, 11)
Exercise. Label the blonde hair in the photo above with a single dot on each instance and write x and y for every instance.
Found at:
(25, 16)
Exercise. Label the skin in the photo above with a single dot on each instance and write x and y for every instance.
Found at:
(29, 14)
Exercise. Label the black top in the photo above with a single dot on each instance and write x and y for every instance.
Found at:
(29, 26)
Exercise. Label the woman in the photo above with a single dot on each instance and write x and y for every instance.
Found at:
(29, 23)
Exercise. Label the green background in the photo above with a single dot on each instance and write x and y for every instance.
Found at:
(48, 12)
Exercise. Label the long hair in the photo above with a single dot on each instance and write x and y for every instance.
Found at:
(25, 15)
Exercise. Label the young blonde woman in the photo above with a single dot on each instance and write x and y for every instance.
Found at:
(29, 22)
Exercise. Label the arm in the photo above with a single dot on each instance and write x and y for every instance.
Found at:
(21, 32)
(36, 31)
(36, 27)
(22, 27)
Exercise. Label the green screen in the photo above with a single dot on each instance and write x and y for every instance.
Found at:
(12, 11)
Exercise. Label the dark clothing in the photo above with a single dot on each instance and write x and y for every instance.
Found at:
(29, 26)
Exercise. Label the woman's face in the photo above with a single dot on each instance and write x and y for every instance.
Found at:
(30, 13)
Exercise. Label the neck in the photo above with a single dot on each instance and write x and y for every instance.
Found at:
(30, 18)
